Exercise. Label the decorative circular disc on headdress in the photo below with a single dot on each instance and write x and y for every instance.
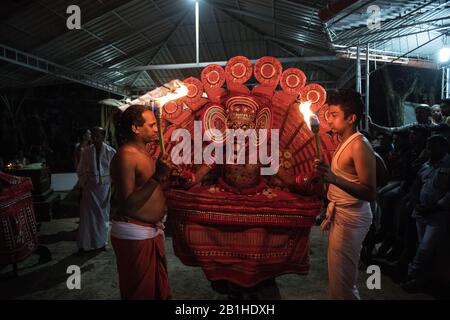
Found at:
(323, 113)
(314, 93)
(195, 89)
(172, 110)
(238, 69)
(268, 70)
(293, 80)
(213, 76)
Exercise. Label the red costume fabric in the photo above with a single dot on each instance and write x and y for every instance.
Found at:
(18, 229)
(142, 269)
(243, 239)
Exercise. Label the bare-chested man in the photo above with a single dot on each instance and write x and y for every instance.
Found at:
(136, 234)
(352, 185)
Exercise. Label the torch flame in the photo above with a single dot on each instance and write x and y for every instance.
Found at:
(180, 91)
(304, 108)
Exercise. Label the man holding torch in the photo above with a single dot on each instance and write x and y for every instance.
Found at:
(137, 231)
(352, 185)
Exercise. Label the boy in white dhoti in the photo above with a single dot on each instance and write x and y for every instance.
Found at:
(352, 185)
(93, 173)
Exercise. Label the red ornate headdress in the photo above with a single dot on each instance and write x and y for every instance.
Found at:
(212, 103)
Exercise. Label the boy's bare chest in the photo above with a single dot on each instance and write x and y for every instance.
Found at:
(345, 161)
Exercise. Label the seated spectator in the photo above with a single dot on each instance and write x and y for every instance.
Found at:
(382, 179)
(423, 117)
(430, 196)
(442, 129)
(436, 115)
(397, 161)
(445, 110)
(418, 135)
(382, 171)
(383, 145)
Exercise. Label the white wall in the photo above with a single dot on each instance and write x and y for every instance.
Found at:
(63, 181)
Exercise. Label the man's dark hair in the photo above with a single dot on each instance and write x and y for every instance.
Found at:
(131, 116)
(81, 132)
(349, 100)
(438, 139)
(423, 107)
(101, 130)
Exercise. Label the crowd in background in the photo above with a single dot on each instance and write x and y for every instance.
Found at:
(410, 238)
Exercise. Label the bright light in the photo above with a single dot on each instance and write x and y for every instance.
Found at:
(304, 108)
(444, 54)
(180, 91)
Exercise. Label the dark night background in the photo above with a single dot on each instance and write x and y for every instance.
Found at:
(50, 116)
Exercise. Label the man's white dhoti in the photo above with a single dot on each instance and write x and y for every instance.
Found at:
(351, 219)
(95, 198)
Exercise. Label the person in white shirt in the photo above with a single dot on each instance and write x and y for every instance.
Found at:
(95, 182)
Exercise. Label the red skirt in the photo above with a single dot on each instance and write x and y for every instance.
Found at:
(142, 269)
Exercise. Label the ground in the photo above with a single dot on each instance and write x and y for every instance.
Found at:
(99, 276)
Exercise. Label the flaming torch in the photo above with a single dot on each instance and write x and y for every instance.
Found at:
(314, 124)
(176, 89)
(312, 121)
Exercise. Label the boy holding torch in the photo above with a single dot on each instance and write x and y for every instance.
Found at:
(352, 185)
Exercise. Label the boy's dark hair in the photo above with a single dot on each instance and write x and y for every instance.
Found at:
(349, 100)
(131, 116)
(438, 139)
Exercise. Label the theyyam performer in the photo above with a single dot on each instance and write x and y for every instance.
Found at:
(245, 223)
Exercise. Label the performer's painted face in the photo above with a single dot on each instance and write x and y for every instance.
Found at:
(240, 124)
(149, 130)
